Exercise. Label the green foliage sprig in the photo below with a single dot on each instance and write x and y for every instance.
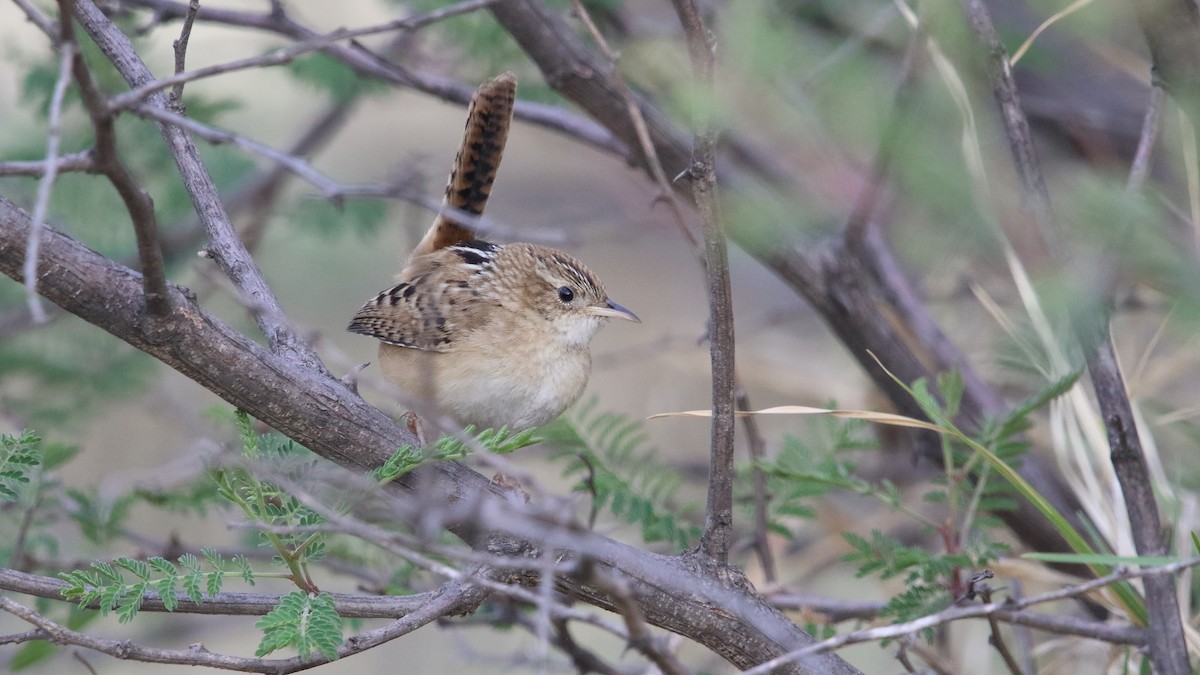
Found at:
(308, 622)
(108, 584)
(306, 619)
(264, 502)
(610, 454)
(407, 458)
(19, 457)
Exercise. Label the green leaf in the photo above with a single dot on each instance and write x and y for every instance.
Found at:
(110, 597)
(950, 384)
(1102, 559)
(1015, 421)
(192, 583)
(19, 456)
(308, 623)
(166, 589)
(132, 602)
(243, 564)
(189, 562)
(138, 568)
(215, 581)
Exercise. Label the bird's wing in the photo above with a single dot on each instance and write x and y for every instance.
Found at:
(431, 308)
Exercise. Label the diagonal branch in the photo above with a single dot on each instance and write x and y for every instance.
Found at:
(224, 246)
(49, 171)
(137, 201)
(368, 64)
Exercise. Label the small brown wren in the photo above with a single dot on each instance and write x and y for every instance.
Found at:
(490, 334)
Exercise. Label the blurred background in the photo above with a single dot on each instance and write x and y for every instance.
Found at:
(807, 88)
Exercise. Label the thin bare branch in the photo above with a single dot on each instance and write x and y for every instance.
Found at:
(226, 247)
(49, 172)
(108, 161)
(585, 660)
(958, 613)
(369, 64)
(1016, 127)
(640, 637)
(997, 638)
(75, 161)
(38, 18)
(286, 55)
(180, 47)
(1140, 167)
(702, 172)
(124, 649)
(231, 603)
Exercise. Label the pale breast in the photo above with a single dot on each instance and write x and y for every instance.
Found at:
(520, 387)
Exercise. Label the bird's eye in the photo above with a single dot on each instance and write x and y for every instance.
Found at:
(565, 293)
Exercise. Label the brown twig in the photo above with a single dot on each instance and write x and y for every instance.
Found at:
(584, 659)
(318, 42)
(665, 191)
(452, 598)
(997, 638)
(108, 162)
(1003, 608)
(1036, 202)
(366, 63)
(180, 47)
(230, 603)
(224, 244)
(702, 172)
(756, 445)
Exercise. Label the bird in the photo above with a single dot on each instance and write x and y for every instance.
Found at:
(492, 335)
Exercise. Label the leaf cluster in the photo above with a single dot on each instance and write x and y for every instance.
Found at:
(109, 587)
(810, 466)
(19, 458)
(610, 455)
(263, 502)
(407, 457)
(308, 622)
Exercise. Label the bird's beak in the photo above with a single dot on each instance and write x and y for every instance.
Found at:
(612, 310)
